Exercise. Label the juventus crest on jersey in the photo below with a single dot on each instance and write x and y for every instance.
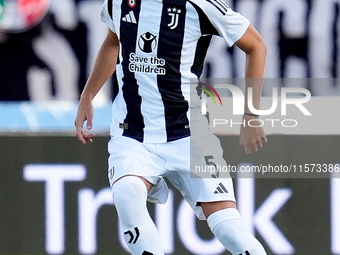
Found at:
(162, 46)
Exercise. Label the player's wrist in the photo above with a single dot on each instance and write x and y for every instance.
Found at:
(86, 97)
(251, 114)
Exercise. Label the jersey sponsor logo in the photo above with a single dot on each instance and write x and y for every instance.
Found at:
(221, 189)
(174, 14)
(130, 18)
(147, 42)
(142, 64)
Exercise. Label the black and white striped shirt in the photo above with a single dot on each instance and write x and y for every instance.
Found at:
(162, 46)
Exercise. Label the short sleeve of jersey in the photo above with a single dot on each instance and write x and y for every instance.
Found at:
(230, 25)
(105, 16)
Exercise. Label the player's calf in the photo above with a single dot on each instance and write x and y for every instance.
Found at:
(140, 233)
(229, 229)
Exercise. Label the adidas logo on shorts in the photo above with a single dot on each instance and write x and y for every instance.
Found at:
(221, 189)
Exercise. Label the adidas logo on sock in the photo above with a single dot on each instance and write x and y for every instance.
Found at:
(220, 189)
(130, 18)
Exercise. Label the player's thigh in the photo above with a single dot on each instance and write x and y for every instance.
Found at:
(200, 181)
(130, 157)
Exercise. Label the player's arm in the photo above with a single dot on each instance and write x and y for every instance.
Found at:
(254, 47)
(104, 67)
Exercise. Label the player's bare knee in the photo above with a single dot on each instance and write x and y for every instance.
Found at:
(211, 207)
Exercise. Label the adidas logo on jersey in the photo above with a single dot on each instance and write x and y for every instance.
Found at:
(221, 189)
(130, 18)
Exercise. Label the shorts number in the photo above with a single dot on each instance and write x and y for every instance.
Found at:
(214, 172)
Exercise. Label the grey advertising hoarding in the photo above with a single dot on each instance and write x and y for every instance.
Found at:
(55, 199)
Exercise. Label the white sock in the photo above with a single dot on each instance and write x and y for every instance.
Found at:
(229, 229)
(140, 232)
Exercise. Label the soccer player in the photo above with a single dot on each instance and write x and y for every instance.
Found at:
(156, 48)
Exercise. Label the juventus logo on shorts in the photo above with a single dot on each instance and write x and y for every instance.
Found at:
(174, 14)
(111, 172)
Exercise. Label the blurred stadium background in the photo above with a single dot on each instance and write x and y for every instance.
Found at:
(54, 196)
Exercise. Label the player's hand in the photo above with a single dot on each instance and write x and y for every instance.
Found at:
(85, 113)
(252, 137)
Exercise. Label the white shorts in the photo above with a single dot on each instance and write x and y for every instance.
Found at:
(177, 161)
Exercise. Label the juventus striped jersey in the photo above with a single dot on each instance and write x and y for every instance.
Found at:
(163, 44)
